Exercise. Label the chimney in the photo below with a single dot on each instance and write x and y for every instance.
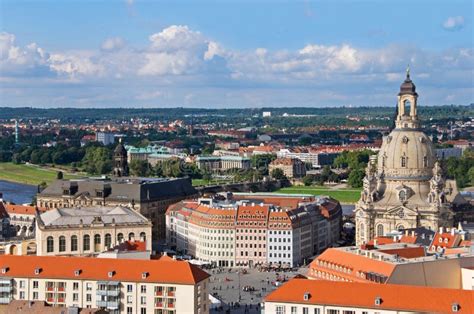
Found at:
(453, 231)
(413, 233)
(440, 229)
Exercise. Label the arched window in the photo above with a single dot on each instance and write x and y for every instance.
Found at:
(404, 162)
(49, 244)
(97, 241)
(425, 161)
(73, 243)
(380, 230)
(86, 243)
(406, 107)
(142, 236)
(362, 231)
(400, 227)
(62, 244)
(120, 237)
(131, 236)
(108, 240)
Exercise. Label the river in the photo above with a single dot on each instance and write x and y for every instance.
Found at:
(17, 193)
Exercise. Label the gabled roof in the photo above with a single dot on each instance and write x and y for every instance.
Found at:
(23, 209)
(53, 267)
(363, 295)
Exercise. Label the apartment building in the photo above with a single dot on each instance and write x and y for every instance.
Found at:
(116, 285)
(305, 296)
(291, 167)
(249, 230)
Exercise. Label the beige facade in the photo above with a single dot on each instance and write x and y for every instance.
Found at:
(291, 167)
(90, 232)
(404, 186)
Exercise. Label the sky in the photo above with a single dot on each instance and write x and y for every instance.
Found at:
(233, 54)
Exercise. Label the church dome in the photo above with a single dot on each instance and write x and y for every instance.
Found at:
(407, 154)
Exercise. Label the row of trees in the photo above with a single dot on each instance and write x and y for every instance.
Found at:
(460, 169)
(173, 167)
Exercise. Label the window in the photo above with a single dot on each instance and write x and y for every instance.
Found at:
(49, 244)
(280, 309)
(380, 230)
(108, 240)
(35, 295)
(73, 243)
(143, 310)
(317, 311)
(86, 244)
(88, 286)
(131, 236)
(129, 310)
(129, 299)
(22, 295)
(62, 244)
(143, 289)
(35, 284)
(89, 297)
(97, 239)
(143, 300)
(294, 310)
(75, 297)
(22, 284)
(425, 161)
(75, 286)
(404, 162)
(332, 312)
(348, 312)
(142, 236)
(129, 288)
(305, 310)
(120, 237)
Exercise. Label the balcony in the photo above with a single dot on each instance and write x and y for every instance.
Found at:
(101, 292)
(159, 293)
(50, 300)
(50, 288)
(60, 300)
(113, 293)
(5, 300)
(171, 305)
(6, 288)
(102, 304)
(113, 305)
(159, 304)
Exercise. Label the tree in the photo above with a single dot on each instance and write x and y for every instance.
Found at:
(261, 162)
(140, 168)
(355, 178)
(278, 174)
(59, 175)
(207, 176)
(308, 180)
(97, 160)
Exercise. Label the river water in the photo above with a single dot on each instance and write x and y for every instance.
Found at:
(16, 192)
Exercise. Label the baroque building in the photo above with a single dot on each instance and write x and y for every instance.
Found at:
(404, 185)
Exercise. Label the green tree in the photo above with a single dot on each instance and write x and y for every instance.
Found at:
(59, 175)
(278, 174)
(140, 168)
(97, 160)
(261, 162)
(355, 178)
(308, 180)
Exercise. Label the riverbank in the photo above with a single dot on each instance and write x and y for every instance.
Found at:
(29, 174)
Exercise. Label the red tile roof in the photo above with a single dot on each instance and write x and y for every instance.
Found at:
(160, 271)
(363, 295)
(23, 209)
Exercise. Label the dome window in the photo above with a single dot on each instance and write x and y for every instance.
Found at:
(425, 161)
(404, 162)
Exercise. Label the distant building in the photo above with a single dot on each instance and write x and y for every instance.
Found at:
(22, 219)
(120, 161)
(150, 197)
(445, 153)
(222, 163)
(105, 138)
(266, 114)
(306, 296)
(292, 167)
(89, 231)
(314, 157)
(112, 285)
(250, 230)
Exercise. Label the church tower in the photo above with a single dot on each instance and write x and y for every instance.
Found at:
(120, 161)
(404, 186)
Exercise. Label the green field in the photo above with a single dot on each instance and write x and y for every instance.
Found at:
(342, 195)
(28, 174)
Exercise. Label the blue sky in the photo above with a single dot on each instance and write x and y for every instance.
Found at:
(233, 53)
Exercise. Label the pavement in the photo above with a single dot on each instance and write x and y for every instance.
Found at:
(225, 283)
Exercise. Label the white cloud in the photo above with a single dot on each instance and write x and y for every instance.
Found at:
(149, 95)
(454, 23)
(113, 44)
(74, 65)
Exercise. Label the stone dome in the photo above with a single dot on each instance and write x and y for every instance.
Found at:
(406, 155)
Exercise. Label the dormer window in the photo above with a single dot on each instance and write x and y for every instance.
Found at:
(4, 270)
(111, 274)
(455, 307)
(378, 301)
(306, 296)
(77, 272)
(37, 271)
(425, 161)
(144, 275)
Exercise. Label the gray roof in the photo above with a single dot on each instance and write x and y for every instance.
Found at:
(76, 216)
(123, 189)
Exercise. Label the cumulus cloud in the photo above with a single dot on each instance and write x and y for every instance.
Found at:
(113, 44)
(75, 65)
(453, 23)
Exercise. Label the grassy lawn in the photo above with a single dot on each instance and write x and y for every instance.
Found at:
(342, 195)
(28, 174)
(198, 182)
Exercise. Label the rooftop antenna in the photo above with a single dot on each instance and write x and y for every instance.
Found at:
(408, 71)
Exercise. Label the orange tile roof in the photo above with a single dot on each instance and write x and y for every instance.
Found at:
(363, 295)
(138, 246)
(159, 271)
(23, 209)
(445, 240)
(407, 252)
(357, 263)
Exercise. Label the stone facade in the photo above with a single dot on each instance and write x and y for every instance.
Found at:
(404, 186)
